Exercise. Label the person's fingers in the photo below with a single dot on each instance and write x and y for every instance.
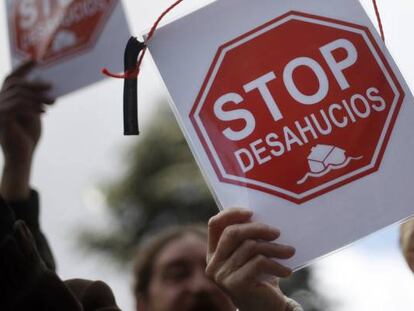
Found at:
(26, 95)
(20, 106)
(12, 82)
(40, 109)
(269, 267)
(28, 110)
(255, 271)
(37, 86)
(233, 236)
(23, 69)
(250, 248)
(8, 105)
(218, 223)
(31, 111)
(261, 266)
(39, 97)
(245, 252)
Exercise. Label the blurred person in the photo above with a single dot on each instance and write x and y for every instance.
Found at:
(407, 242)
(27, 268)
(171, 272)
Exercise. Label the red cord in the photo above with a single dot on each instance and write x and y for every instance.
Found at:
(126, 75)
(377, 12)
(133, 74)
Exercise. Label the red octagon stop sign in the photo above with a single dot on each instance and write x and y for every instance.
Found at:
(298, 107)
(48, 30)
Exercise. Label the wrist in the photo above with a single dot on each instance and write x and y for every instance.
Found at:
(18, 160)
(292, 305)
(282, 304)
(15, 181)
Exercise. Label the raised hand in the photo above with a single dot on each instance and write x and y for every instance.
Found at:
(240, 260)
(21, 104)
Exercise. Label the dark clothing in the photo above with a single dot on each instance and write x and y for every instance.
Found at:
(28, 211)
(7, 219)
(27, 277)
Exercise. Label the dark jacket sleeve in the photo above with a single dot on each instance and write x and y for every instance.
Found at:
(28, 211)
(7, 219)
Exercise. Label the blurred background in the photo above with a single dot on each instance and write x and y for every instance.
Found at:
(97, 186)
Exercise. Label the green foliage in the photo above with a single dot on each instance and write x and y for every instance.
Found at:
(163, 186)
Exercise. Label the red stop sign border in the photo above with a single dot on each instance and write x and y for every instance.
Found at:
(70, 53)
(298, 198)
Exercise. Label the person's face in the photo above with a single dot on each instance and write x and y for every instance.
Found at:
(407, 242)
(179, 282)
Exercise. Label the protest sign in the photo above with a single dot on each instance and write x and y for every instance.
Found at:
(296, 110)
(69, 39)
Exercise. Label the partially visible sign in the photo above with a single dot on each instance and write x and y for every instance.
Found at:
(70, 39)
(296, 110)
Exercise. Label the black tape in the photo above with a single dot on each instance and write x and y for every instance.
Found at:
(132, 50)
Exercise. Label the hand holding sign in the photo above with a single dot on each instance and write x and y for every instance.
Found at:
(240, 255)
(294, 112)
(407, 242)
(21, 104)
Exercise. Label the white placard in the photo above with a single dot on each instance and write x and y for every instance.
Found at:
(190, 54)
(71, 40)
